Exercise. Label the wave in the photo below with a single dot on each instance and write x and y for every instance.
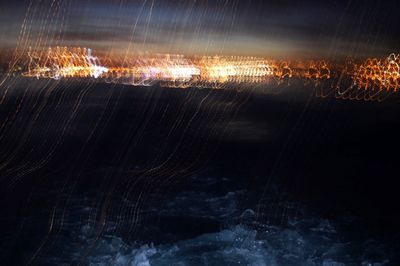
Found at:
(317, 244)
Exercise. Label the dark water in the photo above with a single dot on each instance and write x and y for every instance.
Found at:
(99, 174)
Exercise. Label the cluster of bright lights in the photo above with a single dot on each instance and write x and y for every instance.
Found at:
(373, 79)
(373, 76)
(201, 72)
(170, 70)
(62, 62)
(146, 71)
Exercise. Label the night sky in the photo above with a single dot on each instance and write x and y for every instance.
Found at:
(282, 29)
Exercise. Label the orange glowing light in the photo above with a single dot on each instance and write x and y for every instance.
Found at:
(368, 80)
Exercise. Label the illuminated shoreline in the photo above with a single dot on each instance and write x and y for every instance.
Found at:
(366, 80)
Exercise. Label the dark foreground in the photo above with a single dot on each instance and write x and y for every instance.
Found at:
(99, 174)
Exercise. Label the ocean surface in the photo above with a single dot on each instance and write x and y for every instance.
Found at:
(102, 174)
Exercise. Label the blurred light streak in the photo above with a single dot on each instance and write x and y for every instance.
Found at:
(367, 80)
